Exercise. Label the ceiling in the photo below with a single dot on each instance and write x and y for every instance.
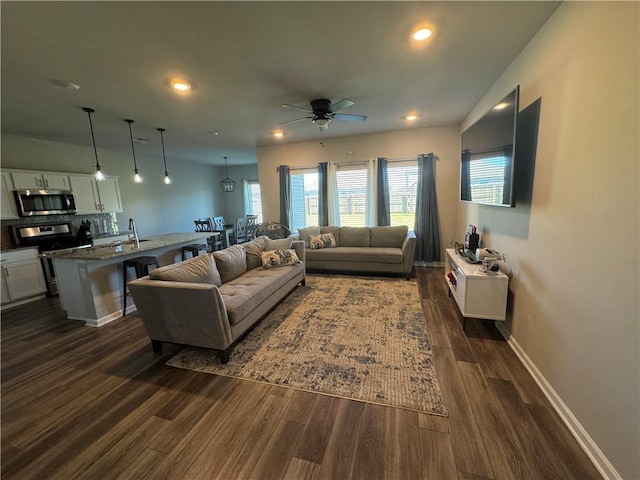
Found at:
(245, 60)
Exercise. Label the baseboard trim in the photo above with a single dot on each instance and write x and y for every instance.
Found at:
(588, 445)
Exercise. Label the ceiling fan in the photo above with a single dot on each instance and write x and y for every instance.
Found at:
(323, 111)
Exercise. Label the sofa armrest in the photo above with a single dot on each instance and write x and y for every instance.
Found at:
(298, 246)
(181, 312)
(408, 251)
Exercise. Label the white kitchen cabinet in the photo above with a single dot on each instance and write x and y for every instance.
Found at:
(96, 197)
(8, 201)
(40, 180)
(22, 276)
(477, 294)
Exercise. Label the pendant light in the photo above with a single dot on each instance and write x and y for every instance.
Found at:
(136, 174)
(99, 174)
(227, 184)
(167, 179)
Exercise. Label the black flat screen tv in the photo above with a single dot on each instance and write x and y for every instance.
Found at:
(488, 148)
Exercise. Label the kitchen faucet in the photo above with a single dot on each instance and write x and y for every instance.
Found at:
(132, 227)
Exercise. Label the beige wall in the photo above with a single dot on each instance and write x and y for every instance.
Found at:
(575, 284)
(443, 141)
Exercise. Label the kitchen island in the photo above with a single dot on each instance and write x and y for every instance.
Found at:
(90, 279)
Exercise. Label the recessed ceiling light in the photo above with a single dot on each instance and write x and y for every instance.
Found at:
(421, 34)
(411, 117)
(180, 85)
(500, 106)
(141, 141)
(278, 133)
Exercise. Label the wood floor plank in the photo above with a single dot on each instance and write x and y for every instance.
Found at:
(403, 457)
(433, 422)
(299, 469)
(340, 453)
(438, 460)
(471, 455)
(372, 450)
(274, 459)
(315, 437)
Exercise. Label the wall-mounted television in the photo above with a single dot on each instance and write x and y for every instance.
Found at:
(488, 148)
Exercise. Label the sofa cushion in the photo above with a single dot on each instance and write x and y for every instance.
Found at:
(354, 237)
(254, 250)
(351, 255)
(388, 236)
(200, 269)
(280, 244)
(245, 293)
(324, 240)
(279, 258)
(307, 232)
(231, 262)
(334, 230)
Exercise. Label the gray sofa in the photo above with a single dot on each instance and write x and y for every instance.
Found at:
(213, 300)
(385, 250)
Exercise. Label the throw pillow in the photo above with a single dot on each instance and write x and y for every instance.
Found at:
(325, 240)
(200, 269)
(254, 250)
(278, 258)
(281, 244)
(231, 262)
(306, 233)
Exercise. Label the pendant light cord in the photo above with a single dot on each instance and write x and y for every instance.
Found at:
(133, 150)
(93, 138)
(163, 154)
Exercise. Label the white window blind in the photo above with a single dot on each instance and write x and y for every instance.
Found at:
(352, 194)
(486, 173)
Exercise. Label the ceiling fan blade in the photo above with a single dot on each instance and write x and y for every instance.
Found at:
(296, 120)
(287, 105)
(350, 118)
(344, 103)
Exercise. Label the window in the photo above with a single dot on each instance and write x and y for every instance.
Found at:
(304, 199)
(403, 189)
(352, 194)
(252, 199)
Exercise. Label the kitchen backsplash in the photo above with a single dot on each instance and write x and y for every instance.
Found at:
(101, 224)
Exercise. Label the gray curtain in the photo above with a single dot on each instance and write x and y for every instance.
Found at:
(285, 194)
(465, 176)
(323, 205)
(384, 212)
(427, 228)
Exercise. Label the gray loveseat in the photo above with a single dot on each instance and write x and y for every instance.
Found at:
(386, 250)
(213, 300)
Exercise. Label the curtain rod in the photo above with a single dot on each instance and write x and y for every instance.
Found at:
(389, 160)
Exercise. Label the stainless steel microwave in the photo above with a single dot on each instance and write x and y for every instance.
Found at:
(44, 202)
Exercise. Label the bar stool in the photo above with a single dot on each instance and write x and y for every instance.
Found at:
(194, 249)
(141, 266)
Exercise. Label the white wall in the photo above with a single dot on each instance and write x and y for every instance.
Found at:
(233, 203)
(443, 141)
(575, 285)
(157, 208)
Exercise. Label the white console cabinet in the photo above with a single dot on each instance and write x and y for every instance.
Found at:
(477, 294)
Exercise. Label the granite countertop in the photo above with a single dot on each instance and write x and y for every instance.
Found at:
(120, 249)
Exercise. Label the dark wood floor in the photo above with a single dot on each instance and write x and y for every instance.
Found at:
(97, 403)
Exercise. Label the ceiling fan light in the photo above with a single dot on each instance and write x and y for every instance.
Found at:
(321, 122)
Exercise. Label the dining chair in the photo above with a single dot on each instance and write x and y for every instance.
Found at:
(239, 234)
(218, 223)
(203, 225)
(251, 226)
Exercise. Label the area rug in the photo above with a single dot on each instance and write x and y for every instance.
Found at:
(362, 338)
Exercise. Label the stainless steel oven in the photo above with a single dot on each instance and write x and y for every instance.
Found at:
(50, 239)
(44, 202)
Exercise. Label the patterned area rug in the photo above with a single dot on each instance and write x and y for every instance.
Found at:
(354, 337)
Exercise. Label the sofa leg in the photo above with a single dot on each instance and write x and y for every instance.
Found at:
(157, 346)
(303, 282)
(224, 356)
